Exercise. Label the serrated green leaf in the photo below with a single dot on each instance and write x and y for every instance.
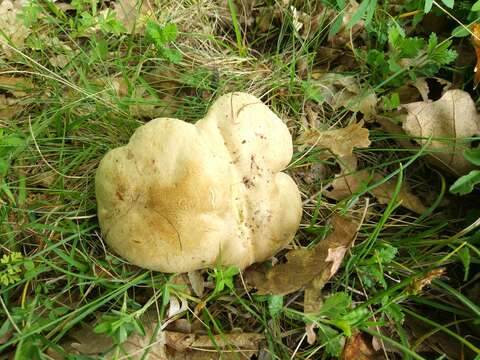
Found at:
(466, 183)
(275, 305)
(170, 32)
(432, 42)
(410, 47)
(331, 339)
(394, 311)
(472, 155)
(174, 56)
(386, 254)
(335, 305)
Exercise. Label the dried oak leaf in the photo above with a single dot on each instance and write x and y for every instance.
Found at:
(339, 90)
(450, 122)
(17, 86)
(165, 345)
(133, 17)
(344, 186)
(305, 265)
(359, 347)
(339, 141)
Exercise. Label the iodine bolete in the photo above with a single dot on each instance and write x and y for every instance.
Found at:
(180, 197)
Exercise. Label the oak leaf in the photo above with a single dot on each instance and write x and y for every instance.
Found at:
(344, 186)
(340, 142)
(305, 265)
(446, 126)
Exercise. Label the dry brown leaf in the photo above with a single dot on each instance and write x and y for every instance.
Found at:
(59, 61)
(86, 342)
(448, 121)
(340, 142)
(233, 340)
(339, 90)
(313, 296)
(197, 282)
(17, 86)
(9, 107)
(167, 345)
(311, 335)
(418, 284)
(359, 347)
(304, 265)
(131, 16)
(344, 186)
(346, 33)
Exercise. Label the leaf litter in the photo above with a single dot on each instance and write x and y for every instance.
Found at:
(341, 143)
(161, 344)
(304, 265)
(445, 127)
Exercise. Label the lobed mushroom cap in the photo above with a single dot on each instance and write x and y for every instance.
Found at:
(180, 197)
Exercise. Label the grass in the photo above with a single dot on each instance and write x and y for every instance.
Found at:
(113, 80)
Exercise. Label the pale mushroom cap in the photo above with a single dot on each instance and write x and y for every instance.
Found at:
(180, 197)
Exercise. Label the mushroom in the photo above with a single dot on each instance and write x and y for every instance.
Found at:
(180, 197)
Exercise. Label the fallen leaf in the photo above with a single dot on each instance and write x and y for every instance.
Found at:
(14, 32)
(176, 306)
(359, 347)
(346, 34)
(340, 142)
(165, 345)
(311, 335)
(304, 265)
(313, 296)
(85, 341)
(343, 186)
(59, 61)
(133, 17)
(9, 107)
(339, 90)
(197, 282)
(450, 122)
(17, 86)
(418, 284)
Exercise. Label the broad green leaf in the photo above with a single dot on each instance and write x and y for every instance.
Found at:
(460, 31)
(466, 183)
(364, 6)
(335, 27)
(428, 6)
(476, 6)
(472, 155)
(448, 3)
